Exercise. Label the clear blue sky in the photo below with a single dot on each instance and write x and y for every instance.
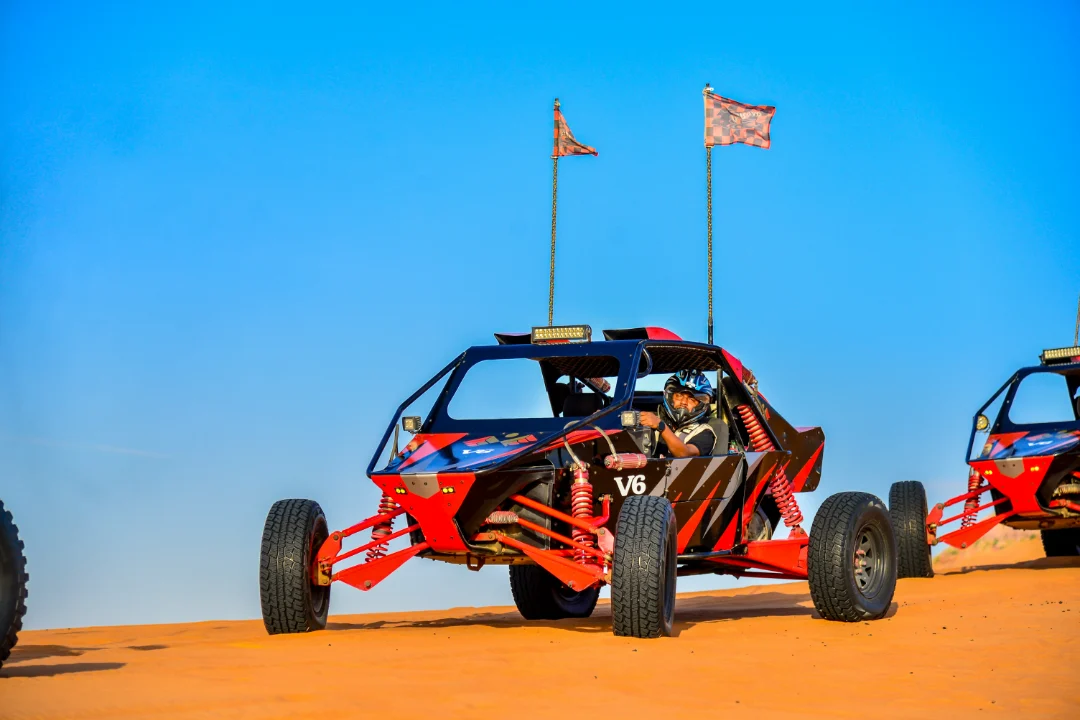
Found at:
(231, 240)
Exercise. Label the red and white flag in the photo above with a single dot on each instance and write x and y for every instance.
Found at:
(728, 122)
(565, 142)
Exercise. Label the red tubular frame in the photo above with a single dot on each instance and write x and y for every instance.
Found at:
(366, 575)
(379, 541)
(576, 576)
(561, 538)
(970, 532)
(332, 546)
(568, 519)
(973, 511)
(780, 559)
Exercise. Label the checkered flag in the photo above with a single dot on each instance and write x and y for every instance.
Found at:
(565, 143)
(728, 122)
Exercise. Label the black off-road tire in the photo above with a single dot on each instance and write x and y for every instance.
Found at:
(291, 602)
(539, 595)
(845, 523)
(643, 575)
(1061, 543)
(907, 511)
(13, 580)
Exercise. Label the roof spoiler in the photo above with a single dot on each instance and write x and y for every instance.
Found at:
(514, 338)
(641, 333)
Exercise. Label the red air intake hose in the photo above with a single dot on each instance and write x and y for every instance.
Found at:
(625, 461)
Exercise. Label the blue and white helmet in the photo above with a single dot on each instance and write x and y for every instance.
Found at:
(694, 383)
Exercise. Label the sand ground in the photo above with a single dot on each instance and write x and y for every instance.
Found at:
(992, 635)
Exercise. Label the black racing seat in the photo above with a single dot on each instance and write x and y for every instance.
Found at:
(721, 429)
(579, 405)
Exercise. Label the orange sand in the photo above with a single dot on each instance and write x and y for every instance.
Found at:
(996, 641)
(1001, 546)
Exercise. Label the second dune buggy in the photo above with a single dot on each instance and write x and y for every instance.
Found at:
(1023, 464)
(531, 454)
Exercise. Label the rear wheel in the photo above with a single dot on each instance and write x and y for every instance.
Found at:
(539, 595)
(1061, 543)
(852, 558)
(13, 579)
(907, 511)
(643, 575)
(291, 602)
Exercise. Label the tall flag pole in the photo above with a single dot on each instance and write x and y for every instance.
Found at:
(1076, 333)
(565, 144)
(554, 210)
(728, 122)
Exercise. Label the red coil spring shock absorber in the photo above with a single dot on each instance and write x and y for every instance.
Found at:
(974, 483)
(386, 506)
(581, 506)
(779, 484)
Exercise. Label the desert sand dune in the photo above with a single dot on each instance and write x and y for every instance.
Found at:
(993, 635)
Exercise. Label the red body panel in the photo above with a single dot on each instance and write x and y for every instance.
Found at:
(433, 500)
(1017, 479)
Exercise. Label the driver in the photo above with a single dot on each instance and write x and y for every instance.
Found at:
(681, 421)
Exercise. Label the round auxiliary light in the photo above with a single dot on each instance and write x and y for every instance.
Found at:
(981, 422)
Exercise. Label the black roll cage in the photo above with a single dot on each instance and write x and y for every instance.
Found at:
(1002, 423)
(636, 350)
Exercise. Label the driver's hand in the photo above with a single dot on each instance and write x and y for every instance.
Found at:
(650, 420)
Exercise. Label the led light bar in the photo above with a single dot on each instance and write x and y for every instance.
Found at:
(1058, 356)
(562, 333)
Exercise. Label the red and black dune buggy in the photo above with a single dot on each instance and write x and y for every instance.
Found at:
(531, 454)
(1027, 458)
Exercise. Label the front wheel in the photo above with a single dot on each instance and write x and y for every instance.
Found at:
(907, 511)
(1061, 543)
(643, 575)
(291, 602)
(852, 558)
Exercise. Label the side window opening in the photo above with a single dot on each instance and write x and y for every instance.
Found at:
(649, 396)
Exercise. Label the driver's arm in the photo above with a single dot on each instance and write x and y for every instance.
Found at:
(677, 447)
(674, 445)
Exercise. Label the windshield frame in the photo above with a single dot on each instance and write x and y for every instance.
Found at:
(630, 353)
(1003, 423)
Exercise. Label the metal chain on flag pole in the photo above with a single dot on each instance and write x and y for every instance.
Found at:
(551, 278)
(565, 144)
(708, 173)
(728, 122)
